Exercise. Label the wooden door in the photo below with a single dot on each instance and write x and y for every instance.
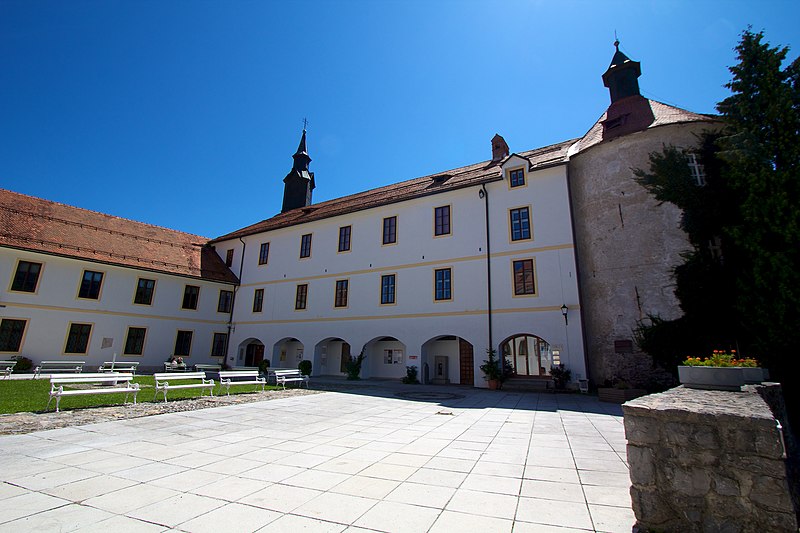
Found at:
(467, 362)
(345, 357)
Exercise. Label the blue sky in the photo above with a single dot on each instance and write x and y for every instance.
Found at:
(185, 114)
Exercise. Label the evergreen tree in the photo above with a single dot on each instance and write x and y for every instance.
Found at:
(740, 285)
(761, 146)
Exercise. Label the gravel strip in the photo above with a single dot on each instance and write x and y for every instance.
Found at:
(18, 423)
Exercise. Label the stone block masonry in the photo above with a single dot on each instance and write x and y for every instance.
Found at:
(707, 461)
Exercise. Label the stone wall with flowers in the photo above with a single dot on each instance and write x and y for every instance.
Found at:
(707, 461)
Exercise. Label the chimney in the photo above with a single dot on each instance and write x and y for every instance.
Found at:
(499, 148)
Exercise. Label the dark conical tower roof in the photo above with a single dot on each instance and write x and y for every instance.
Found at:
(622, 75)
(301, 157)
(299, 182)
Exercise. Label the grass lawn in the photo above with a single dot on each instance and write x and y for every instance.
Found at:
(17, 396)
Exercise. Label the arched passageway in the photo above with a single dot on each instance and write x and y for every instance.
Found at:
(251, 352)
(287, 353)
(385, 357)
(330, 357)
(448, 359)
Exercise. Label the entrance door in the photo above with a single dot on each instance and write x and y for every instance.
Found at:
(530, 355)
(345, 358)
(467, 362)
(254, 354)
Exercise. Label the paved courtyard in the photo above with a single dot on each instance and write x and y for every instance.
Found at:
(361, 460)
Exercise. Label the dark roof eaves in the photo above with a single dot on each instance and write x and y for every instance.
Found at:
(234, 281)
(651, 128)
(296, 222)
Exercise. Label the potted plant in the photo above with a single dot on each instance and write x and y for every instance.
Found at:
(353, 366)
(722, 371)
(411, 375)
(263, 367)
(304, 367)
(493, 370)
(561, 376)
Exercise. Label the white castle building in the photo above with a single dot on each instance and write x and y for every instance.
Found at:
(548, 256)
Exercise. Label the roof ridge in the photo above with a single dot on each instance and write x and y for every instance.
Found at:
(290, 218)
(61, 204)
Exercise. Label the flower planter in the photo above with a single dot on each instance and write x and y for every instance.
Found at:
(494, 384)
(614, 395)
(754, 375)
(712, 377)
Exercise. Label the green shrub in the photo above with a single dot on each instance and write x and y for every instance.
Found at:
(23, 364)
(305, 367)
(561, 376)
(353, 366)
(411, 375)
(263, 366)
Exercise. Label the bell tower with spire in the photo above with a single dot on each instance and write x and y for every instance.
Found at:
(622, 76)
(299, 182)
(629, 110)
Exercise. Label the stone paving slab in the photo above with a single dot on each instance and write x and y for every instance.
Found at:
(363, 459)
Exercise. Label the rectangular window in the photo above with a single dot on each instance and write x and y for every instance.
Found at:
(442, 220)
(301, 297)
(183, 343)
(389, 230)
(144, 291)
(263, 253)
(225, 301)
(190, 296)
(11, 332)
(387, 289)
(219, 346)
(26, 277)
(90, 285)
(134, 343)
(697, 170)
(517, 177)
(341, 293)
(523, 277)
(305, 246)
(344, 238)
(520, 224)
(78, 338)
(443, 287)
(229, 257)
(258, 300)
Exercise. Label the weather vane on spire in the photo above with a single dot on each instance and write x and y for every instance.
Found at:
(616, 40)
(305, 124)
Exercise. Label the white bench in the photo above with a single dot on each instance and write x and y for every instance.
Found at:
(109, 381)
(282, 376)
(48, 367)
(250, 377)
(271, 373)
(166, 382)
(175, 367)
(119, 366)
(6, 367)
(207, 368)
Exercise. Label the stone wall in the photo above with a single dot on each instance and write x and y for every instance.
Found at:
(707, 461)
(627, 245)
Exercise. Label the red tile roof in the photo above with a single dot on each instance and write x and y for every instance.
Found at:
(458, 178)
(38, 225)
(663, 114)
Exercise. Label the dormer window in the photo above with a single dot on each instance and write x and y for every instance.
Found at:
(516, 177)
